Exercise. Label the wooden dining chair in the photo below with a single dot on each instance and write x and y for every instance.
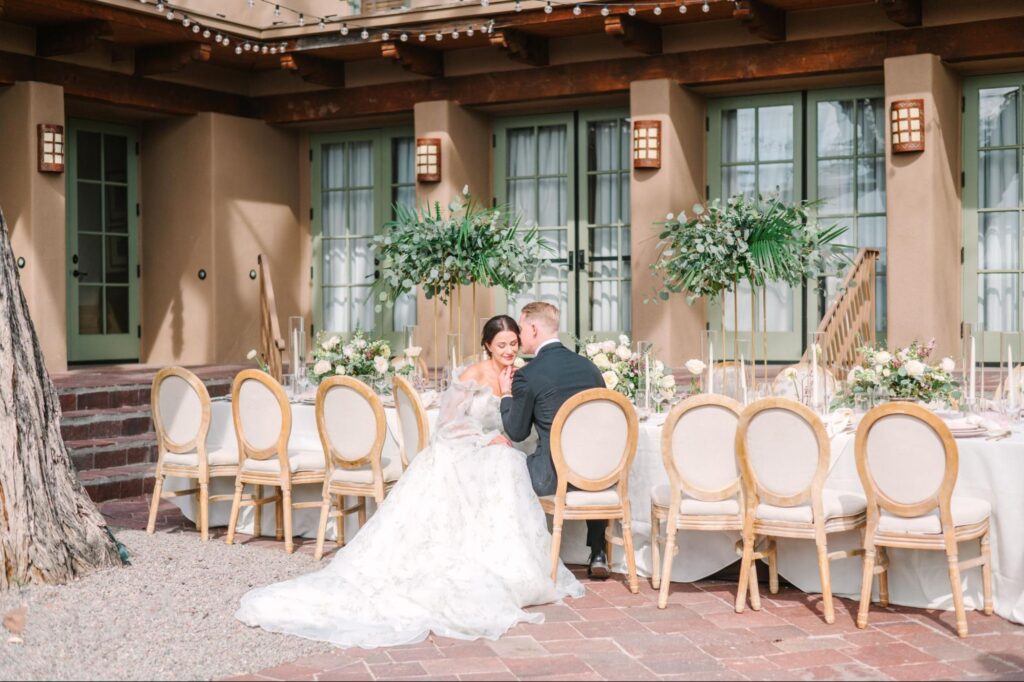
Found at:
(593, 443)
(908, 463)
(413, 425)
(698, 447)
(181, 418)
(352, 426)
(784, 455)
(263, 425)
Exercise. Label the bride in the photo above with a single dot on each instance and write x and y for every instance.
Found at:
(458, 547)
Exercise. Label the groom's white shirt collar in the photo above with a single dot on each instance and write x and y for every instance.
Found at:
(546, 343)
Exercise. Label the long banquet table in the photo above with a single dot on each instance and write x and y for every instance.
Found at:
(992, 470)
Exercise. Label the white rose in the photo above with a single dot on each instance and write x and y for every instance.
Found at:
(602, 361)
(380, 363)
(659, 366)
(623, 340)
(251, 355)
(385, 350)
(878, 369)
(668, 381)
(883, 357)
(668, 393)
(347, 351)
(330, 343)
(623, 353)
(593, 349)
(359, 343)
(321, 367)
(791, 373)
(611, 379)
(851, 377)
(608, 346)
(886, 372)
(947, 365)
(915, 368)
(519, 363)
(669, 217)
(340, 370)
(413, 351)
(695, 366)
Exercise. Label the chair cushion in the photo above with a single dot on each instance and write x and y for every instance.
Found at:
(214, 458)
(390, 468)
(966, 511)
(662, 496)
(298, 460)
(834, 503)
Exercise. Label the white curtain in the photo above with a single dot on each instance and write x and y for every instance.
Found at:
(403, 150)
(609, 210)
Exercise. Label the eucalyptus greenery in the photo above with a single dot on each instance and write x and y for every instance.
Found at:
(759, 240)
(469, 244)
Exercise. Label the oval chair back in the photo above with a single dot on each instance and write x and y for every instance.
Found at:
(593, 440)
(413, 426)
(351, 422)
(181, 412)
(262, 416)
(698, 447)
(907, 460)
(783, 451)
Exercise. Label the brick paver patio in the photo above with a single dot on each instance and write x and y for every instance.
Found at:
(611, 634)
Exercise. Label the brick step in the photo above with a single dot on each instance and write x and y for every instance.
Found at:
(77, 398)
(105, 423)
(103, 453)
(114, 483)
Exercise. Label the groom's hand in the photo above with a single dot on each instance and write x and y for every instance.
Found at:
(505, 381)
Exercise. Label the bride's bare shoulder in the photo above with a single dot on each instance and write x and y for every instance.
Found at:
(474, 372)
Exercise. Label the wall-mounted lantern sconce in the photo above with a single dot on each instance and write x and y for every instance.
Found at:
(906, 125)
(428, 159)
(646, 144)
(51, 148)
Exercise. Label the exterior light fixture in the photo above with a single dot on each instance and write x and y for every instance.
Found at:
(51, 148)
(646, 144)
(906, 125)
(428, 159)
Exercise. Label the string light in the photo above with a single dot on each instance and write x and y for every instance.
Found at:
(365, 34)
(485, 3)
(344, 29)
(247, 47)
(576, 10)
(631, 11)
(185, 22)
(238, 49)
(706, 7)
(219, 39)
(206, 33)
(682, 8)
(227, 41)
(302, 19)
(547, 8)
(423, 37)
(657, 10)
(605, 11)
(469, 31)
(438, 37)
(519, 6)
(404, 37)
(160, 7)
(273, 49)
(323, 24)
(196, 28)
(455, 34)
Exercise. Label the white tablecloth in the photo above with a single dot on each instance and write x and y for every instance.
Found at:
(992, 470)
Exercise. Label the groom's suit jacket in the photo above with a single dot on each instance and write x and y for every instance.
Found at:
(538, 390)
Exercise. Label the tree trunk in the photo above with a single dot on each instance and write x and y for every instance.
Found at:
(50, 531)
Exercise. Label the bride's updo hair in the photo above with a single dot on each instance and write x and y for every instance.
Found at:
(496, 325)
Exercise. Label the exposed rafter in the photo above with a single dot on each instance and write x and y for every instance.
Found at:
(414, 58)
(315, 70)
(61, 39)
(904, 12)
(761, 19)
(150, 61)
(521, 46)
(634, 33)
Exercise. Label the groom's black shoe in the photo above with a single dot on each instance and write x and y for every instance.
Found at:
(598, 569)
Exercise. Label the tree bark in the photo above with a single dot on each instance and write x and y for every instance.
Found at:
(50, 531)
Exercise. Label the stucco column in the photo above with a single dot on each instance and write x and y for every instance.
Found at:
(465, 161)
(33, 204)
(924, 210)
(673, 326)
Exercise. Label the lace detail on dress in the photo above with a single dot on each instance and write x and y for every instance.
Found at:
(458, 548)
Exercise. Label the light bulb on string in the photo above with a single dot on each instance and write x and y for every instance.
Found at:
(605, 11)
(365, 34)
(682, 8)
(273, 49)
(186, 22)
(485, 3)
(218, 39)
(576, 10)
(196, 28)
(548, 9)
(385, 36)
(455, 34)
(302, 19)
(247, 46)
(423, 37)
(404, 37)
(170, 15)
(284, 46)
(519, 6)
(227, 41)
(657, 10)
(322, 23)
(706, 7)
(344, 29)
(265, 49)
(238, 49)
(159, 7)
(438, 37)
(206, 33)
(469, 31)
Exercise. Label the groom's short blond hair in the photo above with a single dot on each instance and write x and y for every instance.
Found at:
(544, 315)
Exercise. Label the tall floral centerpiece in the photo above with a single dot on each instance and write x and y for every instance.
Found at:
(903, 374)
(443, 251)
(758, 240)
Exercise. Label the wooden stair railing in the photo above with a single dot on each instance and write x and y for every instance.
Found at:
(849, 322)
(271, 341)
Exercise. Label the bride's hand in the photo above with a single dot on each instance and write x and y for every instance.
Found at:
(501, 440)
(505, 380)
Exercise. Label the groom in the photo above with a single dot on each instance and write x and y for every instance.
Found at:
(531, 397)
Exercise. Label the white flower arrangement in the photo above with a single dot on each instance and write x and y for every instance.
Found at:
(903, 375)
(623, 369)
(366, 359)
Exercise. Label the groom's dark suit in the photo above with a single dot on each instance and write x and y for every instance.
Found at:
(538, 390)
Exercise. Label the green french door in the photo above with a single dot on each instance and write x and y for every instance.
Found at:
(357, 177)
(102, 242)
(568, 175)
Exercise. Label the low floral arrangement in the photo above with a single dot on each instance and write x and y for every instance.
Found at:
(623, 369)
(901, 375)
(262, 363)
(695, 367)
(360, 357)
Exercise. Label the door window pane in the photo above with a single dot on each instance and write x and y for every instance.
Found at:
(998, 116)
(999, 178)
(90, 258)
(90, 207)
(90, 310)
(116, 260)
(775, 133)
(88, 151)
(999, 241)
(115, 158)
(738, 131)
(117, 310)
(117, 208)
(835, 128)
(998, 301)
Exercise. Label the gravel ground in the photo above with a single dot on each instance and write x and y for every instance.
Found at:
(170, 615)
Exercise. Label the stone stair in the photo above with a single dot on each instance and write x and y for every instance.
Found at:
(108, 429)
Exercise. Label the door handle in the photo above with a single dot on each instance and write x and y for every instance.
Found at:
(572, 261)
(581, 258)
(76, 274)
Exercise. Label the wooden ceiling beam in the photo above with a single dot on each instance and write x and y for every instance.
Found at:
(907, 13)
(150, 61)
(415, 59)
(118, 89)
(315, 70)
(61, 39)
(634, 33)
(521, 47)
(761, 19)
(865, 52)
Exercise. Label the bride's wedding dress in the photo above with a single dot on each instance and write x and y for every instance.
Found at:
(458, 548)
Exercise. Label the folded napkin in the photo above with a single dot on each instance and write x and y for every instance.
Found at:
(839, 421)
(994, 425)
